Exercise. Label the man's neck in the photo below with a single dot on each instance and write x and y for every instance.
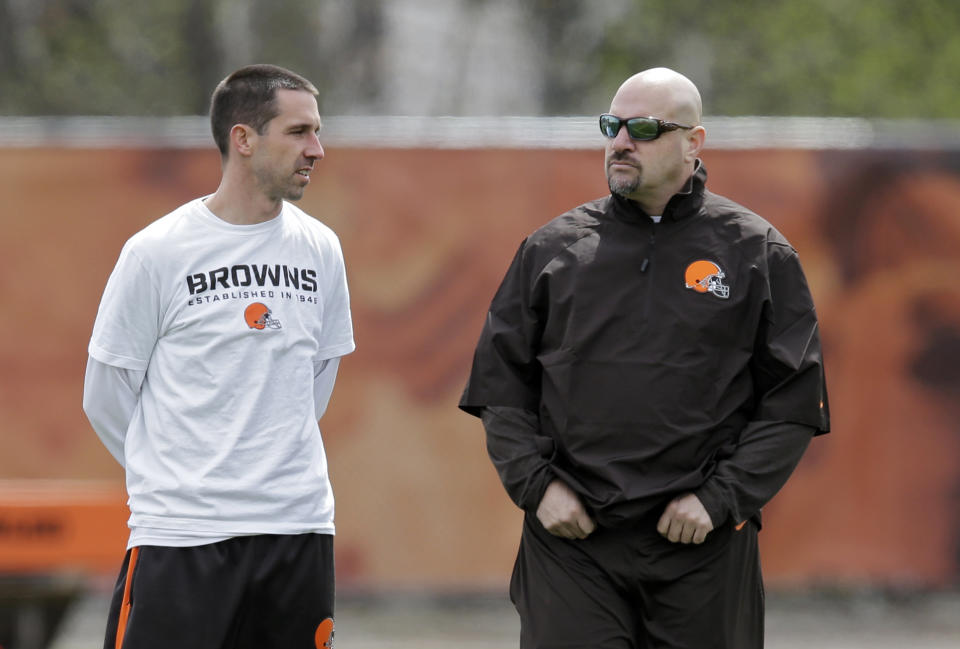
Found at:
(235, 204)
(653, 205)
(656, 203)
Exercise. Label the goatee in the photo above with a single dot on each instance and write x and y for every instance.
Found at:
(623, 186)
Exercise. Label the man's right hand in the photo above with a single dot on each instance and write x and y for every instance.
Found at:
(562, 514)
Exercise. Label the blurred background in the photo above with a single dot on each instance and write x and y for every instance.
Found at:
(453, 129)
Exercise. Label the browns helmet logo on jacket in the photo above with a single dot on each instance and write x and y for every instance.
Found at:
(706, 277)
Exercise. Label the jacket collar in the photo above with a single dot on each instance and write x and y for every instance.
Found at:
(684, 203)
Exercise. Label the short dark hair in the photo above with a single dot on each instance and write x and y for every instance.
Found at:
(248, 96)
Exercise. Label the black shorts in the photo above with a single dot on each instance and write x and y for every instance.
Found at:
(248, 592)
(633, 589)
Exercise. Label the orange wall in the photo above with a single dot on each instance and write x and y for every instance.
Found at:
(427, 235)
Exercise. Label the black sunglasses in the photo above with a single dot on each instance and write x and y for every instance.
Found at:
(638, 128)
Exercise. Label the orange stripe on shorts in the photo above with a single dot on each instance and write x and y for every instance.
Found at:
(126, 605)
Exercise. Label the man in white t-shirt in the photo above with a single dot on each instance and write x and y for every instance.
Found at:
(213, 355)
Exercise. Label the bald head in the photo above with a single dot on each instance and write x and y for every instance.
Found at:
(650, 171)
(661, 93)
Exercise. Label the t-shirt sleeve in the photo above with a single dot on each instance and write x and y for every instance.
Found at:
(337, 327)
(128, 320)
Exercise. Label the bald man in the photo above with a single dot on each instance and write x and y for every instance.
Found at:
(648, 376)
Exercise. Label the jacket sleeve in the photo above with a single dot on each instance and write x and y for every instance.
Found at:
(520, 454)
(766, 455)
(791, 399)
(505, 370)
(504, 386)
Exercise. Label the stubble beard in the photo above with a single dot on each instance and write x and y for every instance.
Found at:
(623, 185)
(622, 182)
(293, 193)
(278, 187)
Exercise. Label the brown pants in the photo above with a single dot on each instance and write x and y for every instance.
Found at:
(633, 589)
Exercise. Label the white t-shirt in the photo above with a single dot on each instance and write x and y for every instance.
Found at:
(227, 322)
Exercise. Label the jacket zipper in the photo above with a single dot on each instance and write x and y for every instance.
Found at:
(653, 241)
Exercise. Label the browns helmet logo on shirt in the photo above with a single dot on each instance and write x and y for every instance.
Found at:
(706, 277)
(258, 316)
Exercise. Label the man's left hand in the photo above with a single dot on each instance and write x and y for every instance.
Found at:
(685, 520)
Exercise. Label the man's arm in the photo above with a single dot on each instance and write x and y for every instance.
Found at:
(324, 376)
(763, 461)
(522, 458)
(504, 391)
(110, 395)
(767, 454)
(124, 335)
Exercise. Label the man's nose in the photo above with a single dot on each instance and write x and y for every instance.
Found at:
(314, 148)
(622, 141)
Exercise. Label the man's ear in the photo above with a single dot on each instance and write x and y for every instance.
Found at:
(695, 139)
(242, 138)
